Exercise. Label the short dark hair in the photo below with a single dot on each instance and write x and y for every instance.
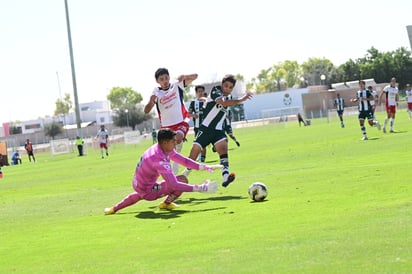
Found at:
(229, 78)
(198, 87)
(161, 71)
(370, 87)
(362, 82)
(165, 134)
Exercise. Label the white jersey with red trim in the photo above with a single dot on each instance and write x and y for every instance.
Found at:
(391, 93)
(409, 95)
(170, 106)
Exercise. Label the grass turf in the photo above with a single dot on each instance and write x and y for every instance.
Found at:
(336, 205)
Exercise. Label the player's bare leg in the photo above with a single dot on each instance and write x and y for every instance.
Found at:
(392, 122)
(194, 153)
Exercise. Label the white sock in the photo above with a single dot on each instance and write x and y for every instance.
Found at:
(175, 165)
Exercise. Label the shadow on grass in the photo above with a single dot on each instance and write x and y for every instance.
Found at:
(260, 202)
(211, 161)
(396, 132)
(371, 139)
(170, 214)
(195, 201)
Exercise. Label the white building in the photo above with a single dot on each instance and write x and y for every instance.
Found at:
(97, 111)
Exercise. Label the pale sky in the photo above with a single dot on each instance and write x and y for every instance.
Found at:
(123, 42)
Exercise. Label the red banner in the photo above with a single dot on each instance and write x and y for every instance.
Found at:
(6, 128)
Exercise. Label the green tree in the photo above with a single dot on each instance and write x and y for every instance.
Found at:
(263, 83)
(277, 75)
(293, 72)
(63, 106)
(130, 115)
(314, 68)
(120, 96)
(350, 71)
(53, 129)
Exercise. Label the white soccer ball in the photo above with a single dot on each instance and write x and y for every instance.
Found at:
(258, 191)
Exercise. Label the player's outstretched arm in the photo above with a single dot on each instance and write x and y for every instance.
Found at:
(188, 79)
(148, 107)
(233, 102)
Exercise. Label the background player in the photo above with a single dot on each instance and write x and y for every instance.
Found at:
(168, 98)
(408, 92)
(155, 162)
(391, 95)
(103, 137)
(363, 97)
(340, 107)
(28, 146)
(196, 112)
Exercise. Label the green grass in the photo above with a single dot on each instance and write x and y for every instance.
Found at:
(336, 205)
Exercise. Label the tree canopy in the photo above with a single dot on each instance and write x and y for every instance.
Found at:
(53, 129)
(378, 65)
(64, 105)
(120, 96)
(130, 115)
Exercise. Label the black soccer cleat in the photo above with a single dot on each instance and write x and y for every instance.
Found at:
(229, 179)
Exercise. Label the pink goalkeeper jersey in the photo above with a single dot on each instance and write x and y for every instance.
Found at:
(155, 163)
(170, 106)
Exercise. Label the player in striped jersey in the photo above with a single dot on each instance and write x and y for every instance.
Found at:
(196, 112)
(364, 98)
(211, 130)
(392, 97)
(340, 106)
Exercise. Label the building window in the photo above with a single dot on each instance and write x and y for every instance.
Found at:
(32, 126)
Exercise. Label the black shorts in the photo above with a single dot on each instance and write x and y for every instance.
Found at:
(196, 130)
(206, 136)
(365, 115)
(340, 112)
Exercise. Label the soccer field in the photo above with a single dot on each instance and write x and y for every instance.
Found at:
(336, 204)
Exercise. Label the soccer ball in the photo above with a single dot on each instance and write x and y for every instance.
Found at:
(258, 191)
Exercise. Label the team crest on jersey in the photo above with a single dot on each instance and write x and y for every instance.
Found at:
(167, 98)
(166, 165)
(287, 99)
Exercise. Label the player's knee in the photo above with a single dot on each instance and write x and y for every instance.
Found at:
(182, 179)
